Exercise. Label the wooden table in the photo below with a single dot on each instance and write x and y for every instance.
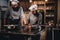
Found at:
(26, 36)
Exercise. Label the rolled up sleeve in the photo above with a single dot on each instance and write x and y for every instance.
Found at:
(22, 13)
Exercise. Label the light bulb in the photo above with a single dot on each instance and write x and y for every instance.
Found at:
(30, 0)
(46, 0)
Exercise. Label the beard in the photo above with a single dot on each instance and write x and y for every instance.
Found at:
(15, 8)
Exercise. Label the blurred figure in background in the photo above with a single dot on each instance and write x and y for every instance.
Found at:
(15, 14)
(34, 19)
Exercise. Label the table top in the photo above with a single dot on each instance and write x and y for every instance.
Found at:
(31, 34)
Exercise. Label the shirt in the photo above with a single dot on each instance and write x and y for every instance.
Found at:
(34, 19)
(14, 14)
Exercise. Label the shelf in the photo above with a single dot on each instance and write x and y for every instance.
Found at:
(51, 10)
(40, 4)
(50, 2)
(41, 7)
(50, 7)
(49, 15)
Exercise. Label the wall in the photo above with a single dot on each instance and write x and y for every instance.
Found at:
(25, 5)
(58, 9)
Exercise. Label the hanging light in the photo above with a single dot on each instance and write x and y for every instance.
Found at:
(46, 0)
(30, 0)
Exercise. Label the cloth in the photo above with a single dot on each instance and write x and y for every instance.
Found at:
(34, 18)
(13, 21)
(11, 14)
(35, 21)
(14, 16)
(14, 0)
(33, 7)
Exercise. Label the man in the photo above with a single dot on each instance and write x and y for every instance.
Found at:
(15, 14)
(34, 18)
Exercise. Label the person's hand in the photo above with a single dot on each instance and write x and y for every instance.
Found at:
(28, 26)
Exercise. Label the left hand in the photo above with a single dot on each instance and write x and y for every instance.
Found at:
(28, 26)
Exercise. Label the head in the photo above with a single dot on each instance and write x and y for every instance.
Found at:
(33, 8)
(34, 12)
(14, 4)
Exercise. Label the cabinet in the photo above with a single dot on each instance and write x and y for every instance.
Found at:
(56, 34)
(51, 11)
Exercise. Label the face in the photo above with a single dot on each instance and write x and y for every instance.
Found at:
(15, 5)
(33, 12)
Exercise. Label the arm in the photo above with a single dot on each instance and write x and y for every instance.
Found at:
(22, 16)
(40, 19)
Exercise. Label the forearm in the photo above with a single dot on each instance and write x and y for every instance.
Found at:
(23, 22)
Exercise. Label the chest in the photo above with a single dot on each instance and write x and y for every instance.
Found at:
(15, 13)
(33, 18)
